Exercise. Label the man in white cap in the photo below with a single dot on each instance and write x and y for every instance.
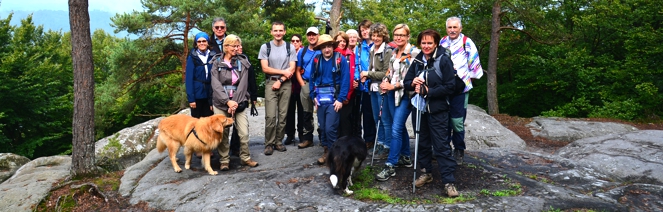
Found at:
(303, 73)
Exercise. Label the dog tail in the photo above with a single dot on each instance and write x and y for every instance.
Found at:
(160, 144)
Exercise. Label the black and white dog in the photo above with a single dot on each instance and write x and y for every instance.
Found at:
(344, 159)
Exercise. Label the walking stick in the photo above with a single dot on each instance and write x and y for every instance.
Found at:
(417, 130)
(377, 126)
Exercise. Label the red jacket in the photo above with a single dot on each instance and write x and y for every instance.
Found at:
(350, 55)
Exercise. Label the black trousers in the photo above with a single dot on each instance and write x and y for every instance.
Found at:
(434, 142)
(366, 113)
(202, 109)
(305, 132)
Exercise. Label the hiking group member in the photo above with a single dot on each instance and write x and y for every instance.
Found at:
(378, 66)
(253, 91)
(404, 54)
(305, 58)
(362, 52)
(230, 82)
(219, 29)
(329, 85)
(431, 76)
(277, 59)
(197, 77)
(355, 101)
(295, 104)
(341, 40)
(465, 57)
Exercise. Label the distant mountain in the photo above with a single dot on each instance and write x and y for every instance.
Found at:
(59, 20)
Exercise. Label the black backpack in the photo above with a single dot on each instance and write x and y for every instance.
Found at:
(287, 48)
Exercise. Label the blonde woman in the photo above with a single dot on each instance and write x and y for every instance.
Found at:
(404, 54)
(230, 84)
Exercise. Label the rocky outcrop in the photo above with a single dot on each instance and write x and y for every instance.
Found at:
(9, 163)
(483, 131)
(32, 182)
(629, 157)
(569, 130)
(126, 147)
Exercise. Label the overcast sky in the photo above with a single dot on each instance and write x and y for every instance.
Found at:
(113, 6)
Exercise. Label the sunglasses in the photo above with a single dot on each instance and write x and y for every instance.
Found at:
(295, 41)
(219, 27)
(202, 41)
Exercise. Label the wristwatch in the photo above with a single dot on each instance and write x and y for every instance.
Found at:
(281, 80)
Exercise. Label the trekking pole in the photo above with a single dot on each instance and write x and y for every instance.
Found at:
(377, 131)
(417, 130)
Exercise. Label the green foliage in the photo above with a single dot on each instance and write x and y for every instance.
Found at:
(35, 85)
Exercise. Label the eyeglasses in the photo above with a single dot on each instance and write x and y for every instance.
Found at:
(219, 27)
(233, 46)
(295, 41)
(400, 35)
(202, 41)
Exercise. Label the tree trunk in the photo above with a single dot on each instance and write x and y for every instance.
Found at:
(335, 17)
(82, 163)
(492, 60)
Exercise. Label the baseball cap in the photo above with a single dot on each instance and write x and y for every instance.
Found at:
(312, 29)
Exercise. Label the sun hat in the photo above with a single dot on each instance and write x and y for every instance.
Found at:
(324, 40)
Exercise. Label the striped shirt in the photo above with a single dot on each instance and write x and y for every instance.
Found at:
(466, 60)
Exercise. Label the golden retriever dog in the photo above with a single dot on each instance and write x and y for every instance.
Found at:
(196, 135)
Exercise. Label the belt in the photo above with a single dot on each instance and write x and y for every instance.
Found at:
(274, 78)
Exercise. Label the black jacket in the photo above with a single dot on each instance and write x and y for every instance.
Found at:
(218, 48)
(439, 88)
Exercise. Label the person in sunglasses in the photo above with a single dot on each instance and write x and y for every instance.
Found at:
(295, 105)
(219, 29)
(197, 77)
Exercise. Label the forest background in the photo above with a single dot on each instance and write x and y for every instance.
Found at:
(566, 58)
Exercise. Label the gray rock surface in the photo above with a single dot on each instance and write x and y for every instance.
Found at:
(631, 156)
(483, 131)
(32, 182)
(569, 130)
(126, 147)
(9, 163)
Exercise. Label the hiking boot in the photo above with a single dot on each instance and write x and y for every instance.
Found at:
(423, 179)
(387, 172)
(305, 144)
(289, 140)
(250, 163)
(382, 154)
(369, 145)
(458, 156)
(280, 148)
(269, 150)
(451, 190)
(322, 159)
(225, 167)
(404, 161)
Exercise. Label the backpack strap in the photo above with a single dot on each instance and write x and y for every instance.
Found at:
(467, 53)
(269, 48)
(301, 57)
(287, 49)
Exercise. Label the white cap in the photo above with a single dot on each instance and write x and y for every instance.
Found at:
(351, 31)
(312, 29)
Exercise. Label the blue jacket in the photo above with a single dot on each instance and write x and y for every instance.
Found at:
(197, 83)
(328, 76)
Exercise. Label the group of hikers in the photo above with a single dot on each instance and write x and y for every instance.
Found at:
(361, 77)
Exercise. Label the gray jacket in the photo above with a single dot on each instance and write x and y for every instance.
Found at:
(378, 60)
(222, 78)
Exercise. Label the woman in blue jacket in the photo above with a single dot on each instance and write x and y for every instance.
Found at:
(197, 77)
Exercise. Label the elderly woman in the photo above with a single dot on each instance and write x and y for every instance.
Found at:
(404, 54)
(431, 76)
(197, 80)
(230, 82)
(377, 70)
(341, 40)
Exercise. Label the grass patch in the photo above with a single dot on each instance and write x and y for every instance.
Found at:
(460, 198)
(515, 189)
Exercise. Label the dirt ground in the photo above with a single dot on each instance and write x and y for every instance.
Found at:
(476, 181)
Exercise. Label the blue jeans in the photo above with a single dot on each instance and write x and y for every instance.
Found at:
(387, 118)
(376, 102)
(458, 112)
(328, 124)
(400, 140)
